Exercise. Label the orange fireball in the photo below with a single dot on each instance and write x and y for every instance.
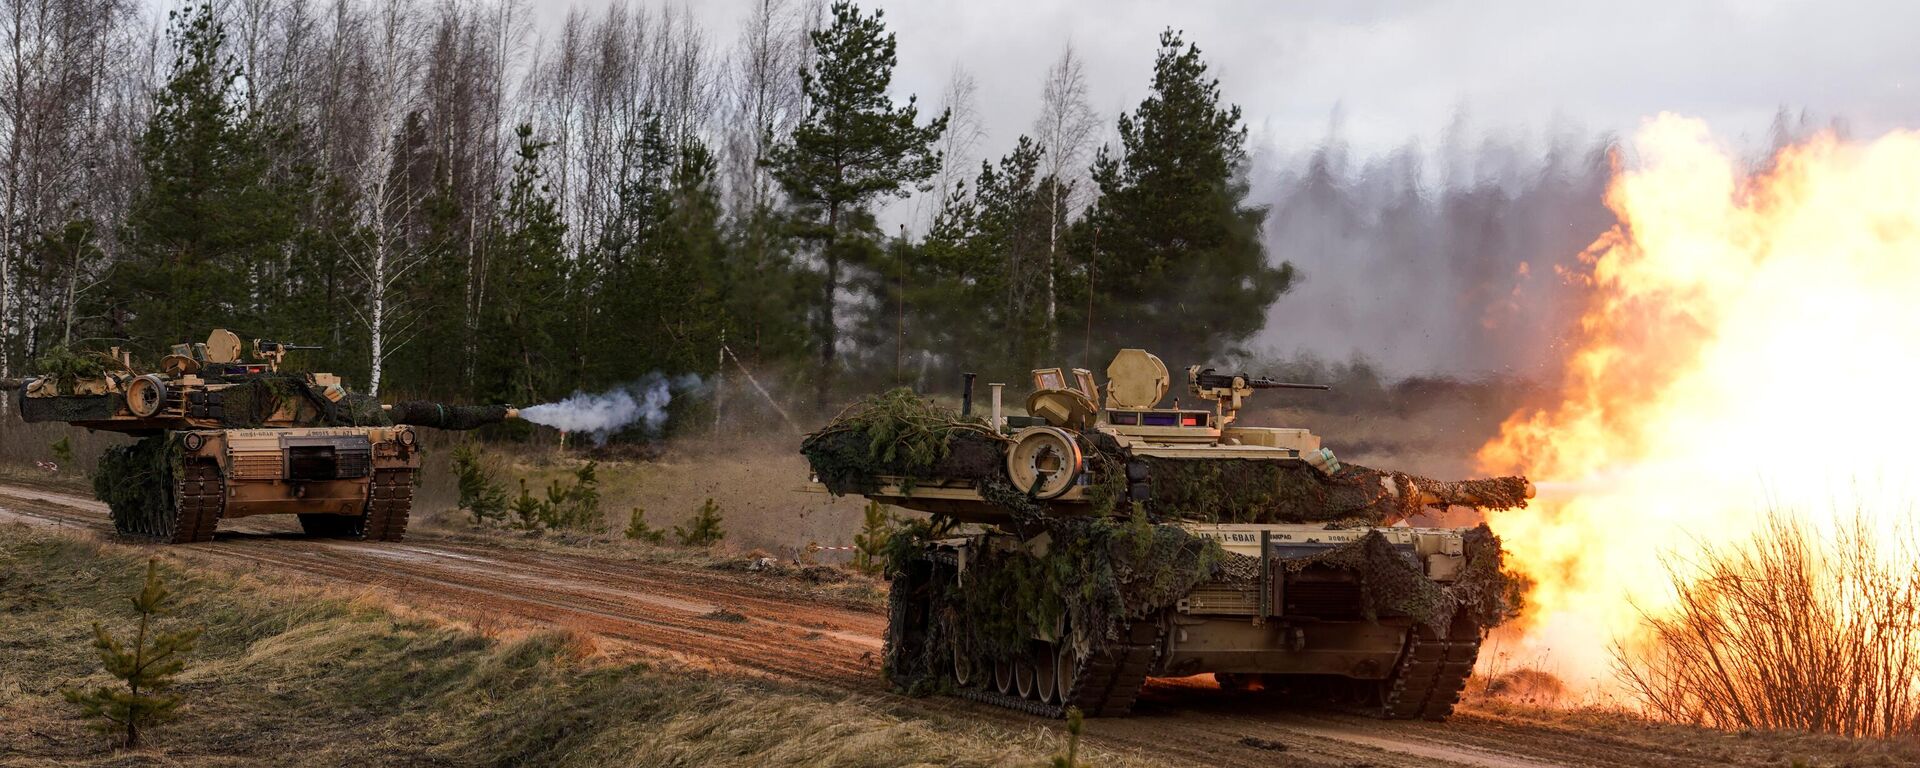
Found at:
(1752, 342)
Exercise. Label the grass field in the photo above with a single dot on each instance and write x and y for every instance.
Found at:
(287, 675)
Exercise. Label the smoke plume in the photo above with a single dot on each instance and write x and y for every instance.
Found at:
(1462, 261)
(641, 403)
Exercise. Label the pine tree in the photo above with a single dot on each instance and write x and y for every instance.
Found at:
(977, 287)
(854, 147)
(639, 530)
(526, 315)
(1177, 260)
(208, 218)
(703, 529)
(147, 667)
(663, 261)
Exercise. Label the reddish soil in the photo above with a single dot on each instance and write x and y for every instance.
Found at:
(751, 624)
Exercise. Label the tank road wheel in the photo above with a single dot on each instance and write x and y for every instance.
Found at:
(965, 667)
(1046, 675)
(1066, 662)
(1023, 677)
(1003, 676)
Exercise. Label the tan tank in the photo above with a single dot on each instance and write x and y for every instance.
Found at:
(1119, 540)
(223, 436)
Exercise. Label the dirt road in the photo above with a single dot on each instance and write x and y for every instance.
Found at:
(724, 621)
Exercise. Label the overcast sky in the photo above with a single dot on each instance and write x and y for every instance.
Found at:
(1400, 70)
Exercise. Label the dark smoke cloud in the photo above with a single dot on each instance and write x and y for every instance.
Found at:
(1463, 263)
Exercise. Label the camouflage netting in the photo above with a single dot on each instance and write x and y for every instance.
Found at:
(1392, 583)
(1111, 570)
(1254, 491)
(65, 367)
(137, 481)
(68, 408)
(898, 434)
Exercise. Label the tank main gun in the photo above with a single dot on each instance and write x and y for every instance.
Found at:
(426, 413)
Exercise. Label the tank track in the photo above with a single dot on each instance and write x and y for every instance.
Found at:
(1106, 683)
(1431, 674)
(390, 502)
(200, 495)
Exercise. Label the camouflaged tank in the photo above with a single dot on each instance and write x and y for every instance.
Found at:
(223, 437)
(1101, 539)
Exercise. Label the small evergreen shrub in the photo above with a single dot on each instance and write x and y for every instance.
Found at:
(638, 530)
(147, 667)
(480, 496)
(703, 529)
(871, 543)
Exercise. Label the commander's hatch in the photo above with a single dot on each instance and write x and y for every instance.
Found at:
(1136, 382)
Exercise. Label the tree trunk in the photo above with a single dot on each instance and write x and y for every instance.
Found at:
(378, 336)
(1053, 247)
(829, 332)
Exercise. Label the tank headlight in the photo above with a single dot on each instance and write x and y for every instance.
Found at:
(405, 437)
(194, 440)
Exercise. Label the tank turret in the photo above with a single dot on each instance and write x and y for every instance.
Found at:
(226, 434)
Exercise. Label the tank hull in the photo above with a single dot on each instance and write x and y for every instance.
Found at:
(176, 486)
(1304, 633)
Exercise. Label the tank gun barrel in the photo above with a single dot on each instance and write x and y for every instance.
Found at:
(1488, 493)
(426, 413)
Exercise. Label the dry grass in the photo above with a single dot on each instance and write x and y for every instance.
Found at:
(286, 675)
(757, 482)
(1790, 630)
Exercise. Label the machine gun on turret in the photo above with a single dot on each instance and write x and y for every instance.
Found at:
(1230, 390)
(275, 351)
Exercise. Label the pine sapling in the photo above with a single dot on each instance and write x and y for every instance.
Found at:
(63, 451)
(479, 495)
(703, 529)
(528, 511)
(147, 667)
(638, 530)
(870, 544)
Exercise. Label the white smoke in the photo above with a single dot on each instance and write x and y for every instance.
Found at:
(643, 403)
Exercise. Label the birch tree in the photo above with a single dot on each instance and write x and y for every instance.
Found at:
(1063, 131)
(957, 145)
(384, 258)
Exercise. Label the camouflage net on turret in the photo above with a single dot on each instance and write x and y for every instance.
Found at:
(897, 434)
(1251, 491)
(137, 481)
(1257, 491)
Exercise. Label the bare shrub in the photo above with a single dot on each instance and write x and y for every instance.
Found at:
(1789, 630)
